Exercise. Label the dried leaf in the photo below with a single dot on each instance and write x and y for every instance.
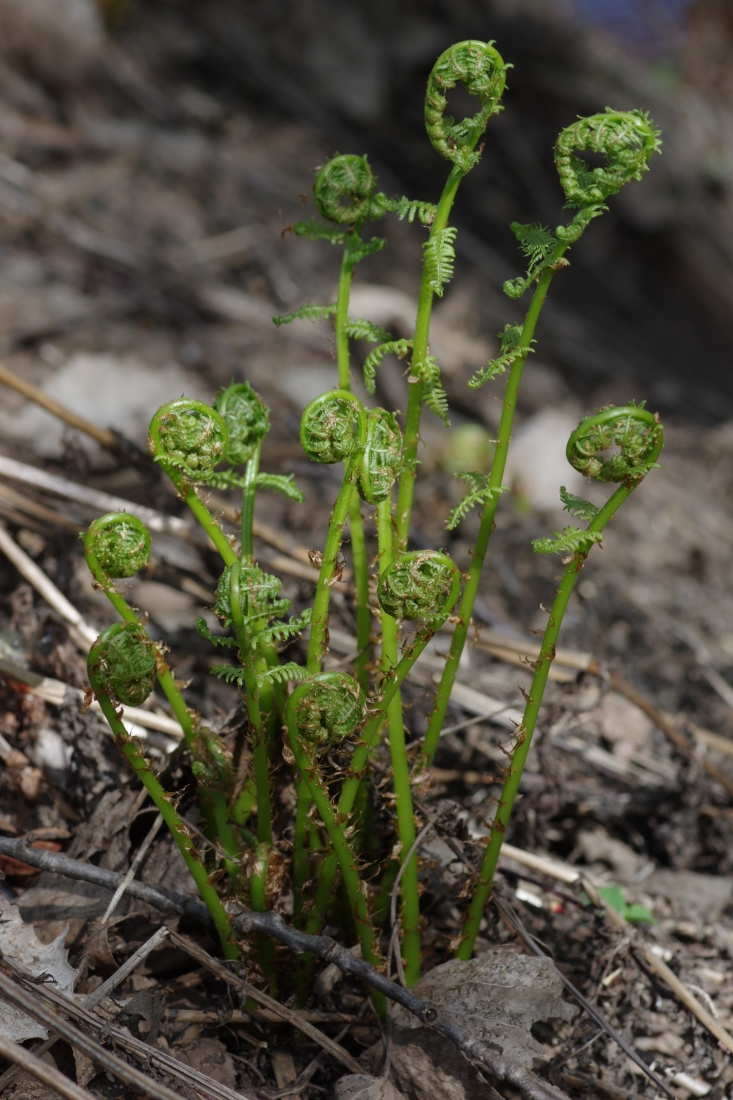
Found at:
(19, 941)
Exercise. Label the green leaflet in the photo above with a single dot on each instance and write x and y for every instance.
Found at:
(282, 674)
(434, 396)
(308, 312)
(570, 541)
(538, 244)
(281, 483)
(282, 631)
(511, 349)
(578, 508)
(215, 639)
(360, 329)
(410, 208)
(479, 492)
(319, 231)
(374, 359)
(358, 249)
(439, 258)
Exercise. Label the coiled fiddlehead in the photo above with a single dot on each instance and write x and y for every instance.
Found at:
(626, 138)
(247, 421)
(481, 70)
(382, 461)
(190, 436)
(120, 542)
(333, 427)
(344, 191)
(422, 584)
(326, 708)
(258, 594)
(632, 428)
(125, 663)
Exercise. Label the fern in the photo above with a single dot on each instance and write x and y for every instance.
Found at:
(215, 639)
(282, 631)
(538, 245)
(282, 674)
(374, 359)
(230, 674)
(435, 397)
(358, 249)
(360, 329)
(479, 492)
(578, 508)
(308, 312)
(439, 259)
(409, 208)
(319, 231)
(569, 541)
(281, 483)
(511, 349)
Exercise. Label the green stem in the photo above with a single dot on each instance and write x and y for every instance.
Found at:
(165, 806)
(249, 491)
(488, 515)
(258, 897)
(308, 768)
(524, 732)
(400, 766)
(187, 492)
(317, 643)
(419, 351)
(356, 523)
(213, 803)
(301, 863)
(251, 685)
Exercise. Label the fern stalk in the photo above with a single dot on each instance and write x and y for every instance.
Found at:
(488, 515)
(249, 491)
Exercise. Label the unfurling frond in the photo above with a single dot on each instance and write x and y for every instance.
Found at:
(318, 231)
(281, 483)
(439, 258)
(538, 245)
(282, 631)
(308, 312)
(479, 492)
(358, 249)
(215, 639)
(570, 541)
(511, 350)
(360, 329)
(230, 674)
(374, 359)
(283, 674)
(578, 508)
(434, 396)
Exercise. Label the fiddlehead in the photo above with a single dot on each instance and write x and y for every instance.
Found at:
(247, 421)
(344, 191)
(382, 461)
(333, 427)
(631, 428)
(626, 138)
(481, 70)
(125, 663)
(326, 709)
(190, 436)
(120, 542)
(422, 584)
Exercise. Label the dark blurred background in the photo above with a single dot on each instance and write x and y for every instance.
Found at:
(135, 133)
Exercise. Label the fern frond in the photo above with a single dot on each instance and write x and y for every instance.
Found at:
(225, 479)
(281, 483)
(308, 312)
(358, 249)
(569, 541)
(511, 349)
(409, 208)
(439, 258)
(360, 329)
(578, 508)
(320, 231)
(284, 673)
(215, 639)
(374, 359)
(281, 631)
(479, 492)
(538, 244)
(229, 674)
(434, 396)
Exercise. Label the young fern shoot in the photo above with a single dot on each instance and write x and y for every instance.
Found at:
(640, 437)
(627, 140)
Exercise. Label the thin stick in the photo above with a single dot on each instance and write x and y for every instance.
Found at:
(142, 852)
(688, 999)
(42, 1071)
(82, 633)
(263, 999)
(103, 436)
